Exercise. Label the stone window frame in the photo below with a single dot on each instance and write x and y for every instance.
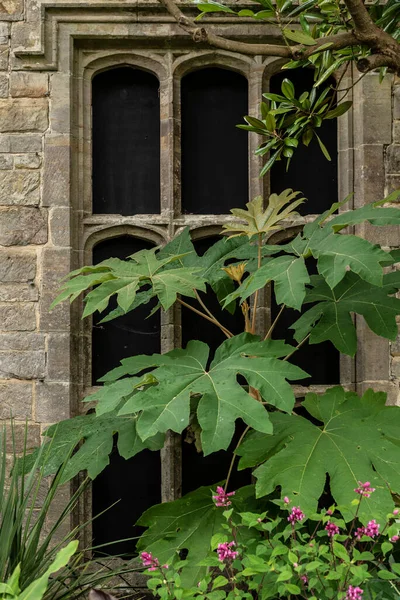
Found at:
(63, 39)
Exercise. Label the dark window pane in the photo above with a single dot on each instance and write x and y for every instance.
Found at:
(321, 361)
(309, 171)
(214, 151)
(198, 470)
(135, 483)
(130, 334)
(126, 142)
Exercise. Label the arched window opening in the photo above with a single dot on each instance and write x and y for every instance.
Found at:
(126, 142)
(214, 151)
(309, 171)
(135, 483)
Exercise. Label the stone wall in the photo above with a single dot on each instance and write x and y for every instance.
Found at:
(42, 115)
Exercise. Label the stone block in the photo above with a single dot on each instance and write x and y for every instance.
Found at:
(17, 316)
(27, 161)
(28, 85)
(3, 85)
(395, 370)
(56, 264)
(58, 357)
(25, 143)
(393, 159)
(22, 114)
(52, 402)
(372, 358)
(17, 266)
(15, 399)
(390, 388)
(396, 102)
(59, 220)
(373, 112)
(60, 116)
(396, 132)
(22, 436)
(5, 145)
(19, 187)
(22, 342)
(4, 33)
(18, 292)
(6, 161)
(22, 365)
(12, 10)
(369, 174)
(56, 168)
(20, 226)
(392, 184)
(387, 235)
(4, 56)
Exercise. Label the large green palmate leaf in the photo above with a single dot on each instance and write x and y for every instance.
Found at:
(289, 274)
(184, 373)
(96, 433)
(358, 440)
(330, 319)
(188, 524)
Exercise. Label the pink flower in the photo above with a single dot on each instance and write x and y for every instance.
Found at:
(221, 499)
(395, 538)
(332, 529)
(365, 489)
(286, 500)
(329, 512)
(354, 593)
(359, 532)
(372, 529)
(304, 579)
(396, 511)
(150, 562)
(225, 553)
(296, 515)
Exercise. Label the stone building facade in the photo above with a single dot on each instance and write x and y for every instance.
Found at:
(49, 53)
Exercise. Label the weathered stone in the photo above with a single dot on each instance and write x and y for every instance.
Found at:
(25, 143)
(392, 184)
(6, 161)
(22, 365)
(5, 145)
(372, 358)
(396, 102)
(17, 316)
(371, 99)
(20, 226)
(396, 366)
(396, 132)
(22, 342)
(11, 10)
(56, 264)
(18, 292)
(19, 187)
(390, 388)
(17, 266)
(52, 402)
(28, 85)
(27, 161)
(59, 219)
(4, 55)
(393, 158)
(21, 437)
(58, 356)
(4, 33)
(3, 85)
(369, 173)
(56, 170)
(15, 399)
(23, 114)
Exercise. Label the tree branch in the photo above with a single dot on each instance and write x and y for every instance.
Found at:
(362, 21)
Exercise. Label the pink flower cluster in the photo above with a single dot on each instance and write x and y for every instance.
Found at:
(221, 499)
(371, 530)
(304, 579)
(296, 515)
(225, 553)
(354, 593)
(395, 538)
(364, 489)
(332, 529)
(152, 563)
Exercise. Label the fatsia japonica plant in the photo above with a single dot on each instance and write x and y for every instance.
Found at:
(345, 440)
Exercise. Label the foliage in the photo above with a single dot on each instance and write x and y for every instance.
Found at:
(29, 547)
(284, 553)
(36, 590)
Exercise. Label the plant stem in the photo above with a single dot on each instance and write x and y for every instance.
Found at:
(228, 333)
(271, 329)
(234, 457)
(208, 311)
(297, 347)
(253, 324)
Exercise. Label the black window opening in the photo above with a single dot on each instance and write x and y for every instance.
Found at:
(320, 361)
(198, 470)
(309, 171)
(126, 142)
(214, 166)
(135, 483)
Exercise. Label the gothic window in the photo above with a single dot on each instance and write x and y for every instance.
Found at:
(143, 127)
